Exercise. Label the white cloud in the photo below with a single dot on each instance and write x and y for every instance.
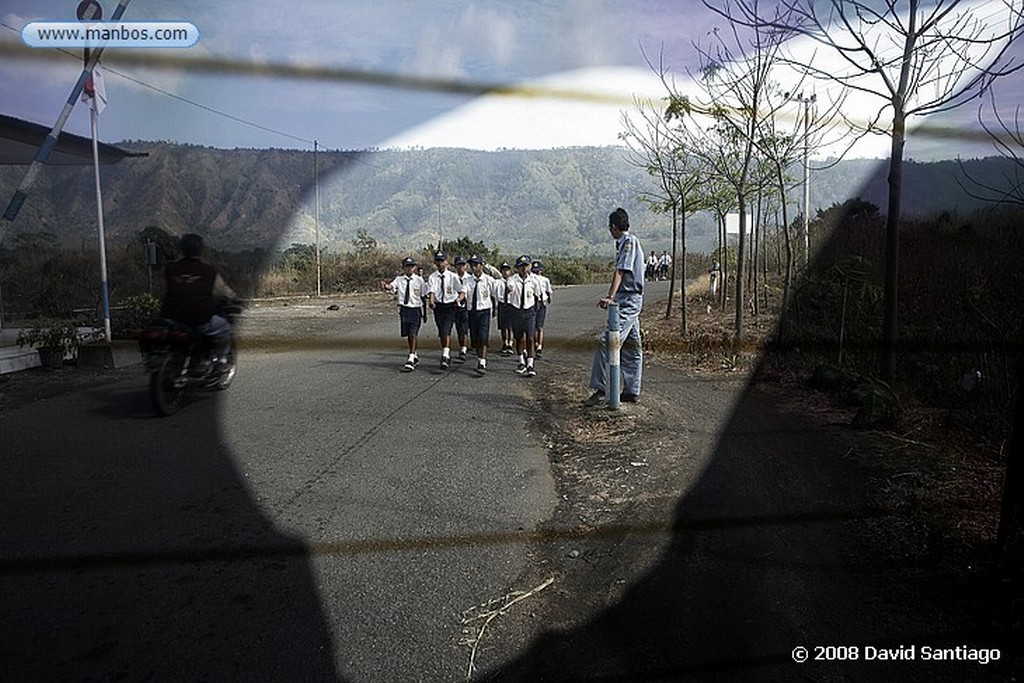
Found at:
(525, 122)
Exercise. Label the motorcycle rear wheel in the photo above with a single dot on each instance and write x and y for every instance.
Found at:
(227, 373)
(166, 386)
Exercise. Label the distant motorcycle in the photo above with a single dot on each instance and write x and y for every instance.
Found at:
(180, 359)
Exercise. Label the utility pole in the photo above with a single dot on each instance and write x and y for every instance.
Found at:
(316, 212)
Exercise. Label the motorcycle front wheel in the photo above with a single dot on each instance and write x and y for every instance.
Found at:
(167, 385)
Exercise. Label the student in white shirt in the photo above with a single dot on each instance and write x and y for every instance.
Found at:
(505, 310)
(480, 300)
(524, 293)
(444, 293)
(461, 314)
(537, 268)
(408, 287)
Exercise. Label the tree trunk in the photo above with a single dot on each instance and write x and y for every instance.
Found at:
(787, 281)
(672, 274)
(754, 245)
(723, 250)
(890, 320)
(741, 200)
(682, 267)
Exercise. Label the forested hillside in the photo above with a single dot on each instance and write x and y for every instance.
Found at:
(549, 201)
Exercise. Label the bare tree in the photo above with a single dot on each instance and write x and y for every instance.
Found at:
(916, 57)
(657, 150)
(1008, 140)
(736, 76)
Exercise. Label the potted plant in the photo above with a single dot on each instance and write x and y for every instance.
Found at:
(53, 342)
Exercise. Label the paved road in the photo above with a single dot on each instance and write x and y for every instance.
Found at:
(328, 518)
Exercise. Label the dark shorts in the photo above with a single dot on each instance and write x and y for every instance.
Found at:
(462, 321)
(444, 318)
(542, 314)
(524, 322)
(411, 319)
(505, 316)
(480, 327)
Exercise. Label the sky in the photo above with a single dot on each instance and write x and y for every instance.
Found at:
(589, 48)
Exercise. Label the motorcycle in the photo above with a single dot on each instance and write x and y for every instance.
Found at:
(180, 359)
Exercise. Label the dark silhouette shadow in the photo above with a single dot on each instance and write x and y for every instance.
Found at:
(149, 560)
(781, 544)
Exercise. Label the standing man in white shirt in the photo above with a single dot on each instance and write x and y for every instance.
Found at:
(408, 286)
(444, 293)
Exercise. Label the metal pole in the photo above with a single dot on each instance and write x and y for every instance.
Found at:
(614, 355)
(14, 206)
(316, 213)
(104, 290)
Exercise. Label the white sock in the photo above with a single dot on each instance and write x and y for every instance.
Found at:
(529, 362)
(463, 349)
(483, 362)
(446, 352)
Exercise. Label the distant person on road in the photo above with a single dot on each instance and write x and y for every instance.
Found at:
(444, 293)
(505, 310)
(461, 312)
(524, 293)
(537, 268)
(714, 276)
(626, 290)
(664, 263)
(480, 291)
(408, 286)
(192, 291)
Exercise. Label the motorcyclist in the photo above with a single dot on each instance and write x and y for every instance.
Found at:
(192, 290)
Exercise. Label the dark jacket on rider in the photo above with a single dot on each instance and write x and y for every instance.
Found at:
(192, 289)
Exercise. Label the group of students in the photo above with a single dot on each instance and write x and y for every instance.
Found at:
(657, 266)
(468, 298)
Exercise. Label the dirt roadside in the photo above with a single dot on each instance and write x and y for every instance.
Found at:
(732, 516)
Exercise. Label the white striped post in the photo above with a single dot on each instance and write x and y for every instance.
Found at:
(614, 352)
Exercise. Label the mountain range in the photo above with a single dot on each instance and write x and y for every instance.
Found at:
(540, 201)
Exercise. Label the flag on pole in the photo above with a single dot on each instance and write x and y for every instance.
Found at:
(95, 93)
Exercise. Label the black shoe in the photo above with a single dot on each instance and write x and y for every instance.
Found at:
(445, 363)
(597, 398)
(626, 397)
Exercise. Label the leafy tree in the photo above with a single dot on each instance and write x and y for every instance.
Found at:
(364, 244)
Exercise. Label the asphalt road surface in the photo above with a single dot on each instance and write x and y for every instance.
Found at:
(327, 518)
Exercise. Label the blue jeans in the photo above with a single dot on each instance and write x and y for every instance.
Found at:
(219, 330)
(631, 357)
